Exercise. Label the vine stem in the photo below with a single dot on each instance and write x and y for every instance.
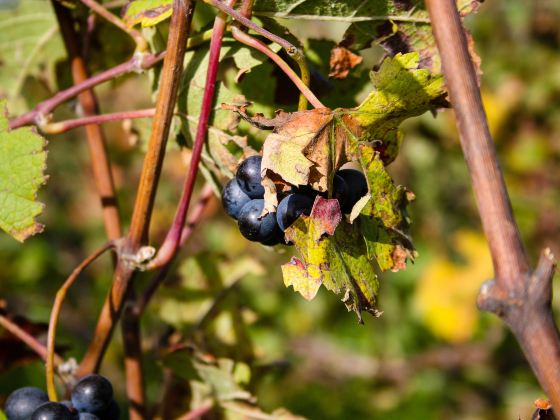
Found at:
(137, 64)
(295, 53)
(27, 338)
(170, 245)
(151, 169)
(55, 314)
(141, 44)
(520, 296)
(302, 85)
(60, 127)
(101, 166)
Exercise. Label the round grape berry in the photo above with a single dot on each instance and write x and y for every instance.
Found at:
(21, 403)
(249, 177)
(252, 226)
(52, 411)
(113, 412)
(87, 416)
(340, 191)
(234, 198)
(356, 186)
(291, 207)
(92, 394)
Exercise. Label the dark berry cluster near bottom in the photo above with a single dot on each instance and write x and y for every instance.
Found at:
(91, 399)
(242, 199)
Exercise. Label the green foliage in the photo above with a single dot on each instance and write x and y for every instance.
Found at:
(398, 26)
(29, 47)
(147, 12)
(22, 165)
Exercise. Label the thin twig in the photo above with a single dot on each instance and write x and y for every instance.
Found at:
(28, 339)
(295, 53)
(170, 245)
(60, 127)
(137, 64)
(55, 313)
(101, 167)
(521, 297)
(263, 48)
(141, 44)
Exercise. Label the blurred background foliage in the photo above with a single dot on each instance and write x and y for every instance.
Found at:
(431, 354)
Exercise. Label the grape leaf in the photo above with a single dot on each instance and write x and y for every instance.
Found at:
(397, 25)
(305, 147)
(147, 12)
(22, 164)
(334, 255)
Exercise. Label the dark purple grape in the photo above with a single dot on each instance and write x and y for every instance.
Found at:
(92, 394)
(252, 226)
(340, 190)
(113, 412)
(356, 187)
(291, 207)
(21, 403)
(88, 416)
(249, 177)
(234, 198)
(52, 411)
(276, 238)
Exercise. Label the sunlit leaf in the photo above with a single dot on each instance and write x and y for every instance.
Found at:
(22, 165)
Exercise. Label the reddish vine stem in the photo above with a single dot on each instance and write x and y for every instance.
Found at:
(40, 113)
(60, 127)
(137, 64)
(169, 83)
(169, 248)
(519, 295)
(27, 338)
(248, 40)
(55, 314)
(101, 166)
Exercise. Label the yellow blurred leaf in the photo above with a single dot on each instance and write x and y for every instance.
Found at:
(446, 293)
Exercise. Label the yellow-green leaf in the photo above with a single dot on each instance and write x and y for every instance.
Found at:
(22, 164)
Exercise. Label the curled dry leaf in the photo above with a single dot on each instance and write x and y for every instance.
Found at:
(342, 61)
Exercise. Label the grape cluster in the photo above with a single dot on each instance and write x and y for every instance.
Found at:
(91, 399)
(242, 199)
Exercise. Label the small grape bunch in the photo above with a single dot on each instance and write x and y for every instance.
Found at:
(91, 399)
(242, 199)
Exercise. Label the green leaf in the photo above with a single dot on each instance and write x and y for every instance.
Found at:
(396, 25)
(29, 46)
(22, 164)
(147, 12)
(402, 90)
(334, 255)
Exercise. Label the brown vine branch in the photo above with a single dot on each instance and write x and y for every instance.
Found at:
(170, 245)
(55, 313)
(101, 166)
(112, 308)
(141, 44)
(521, 297)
